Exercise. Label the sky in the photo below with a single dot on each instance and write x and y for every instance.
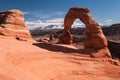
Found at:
(44, 12)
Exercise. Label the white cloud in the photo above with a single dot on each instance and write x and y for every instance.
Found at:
(59, 13)
(109, 20)
(78, 23)
(44, 16)
(39, 23)
(56, 20)
(35, 14)
(25, 12)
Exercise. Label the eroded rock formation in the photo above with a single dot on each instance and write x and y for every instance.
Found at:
(12, 24)
(66, 37)
(94, 35)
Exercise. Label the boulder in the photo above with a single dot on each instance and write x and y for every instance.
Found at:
(12, 23)
(66, 38)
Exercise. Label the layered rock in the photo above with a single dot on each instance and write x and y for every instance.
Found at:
(94, 35)
(12, 23)
(66, 37)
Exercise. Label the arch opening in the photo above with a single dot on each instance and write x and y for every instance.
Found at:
(78, 24)
(94, 35)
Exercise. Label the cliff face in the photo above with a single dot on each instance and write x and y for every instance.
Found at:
(12, 24)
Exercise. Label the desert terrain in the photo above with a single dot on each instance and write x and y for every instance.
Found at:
(23, 58)
(30, 60)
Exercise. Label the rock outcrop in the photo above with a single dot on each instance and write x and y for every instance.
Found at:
(94, 35)
(66, 37)
(12, 24)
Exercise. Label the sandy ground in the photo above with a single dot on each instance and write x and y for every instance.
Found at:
(29, 60)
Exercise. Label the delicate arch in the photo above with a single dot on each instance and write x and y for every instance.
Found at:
(94, 34)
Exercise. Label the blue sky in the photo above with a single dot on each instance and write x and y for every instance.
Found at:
(46, 11)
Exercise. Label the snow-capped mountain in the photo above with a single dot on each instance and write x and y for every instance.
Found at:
(50, 24)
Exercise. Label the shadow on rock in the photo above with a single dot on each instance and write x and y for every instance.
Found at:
(64, 49)
(114, 48)
(56, 48)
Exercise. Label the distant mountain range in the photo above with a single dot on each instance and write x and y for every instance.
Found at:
(112, 29)
(45, 26)
(76, 30)
(55, 26)
(48, 27)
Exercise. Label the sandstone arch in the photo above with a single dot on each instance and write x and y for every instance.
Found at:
(94, 35)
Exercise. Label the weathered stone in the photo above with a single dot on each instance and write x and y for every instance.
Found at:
(94, 34)
(12, 24)
(79, 38)
(45, 40)
(52, 36)
(66, 38)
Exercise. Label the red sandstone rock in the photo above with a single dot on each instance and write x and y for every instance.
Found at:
(42, 61)
(94, 34)
(12, 24)
(66, 38)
